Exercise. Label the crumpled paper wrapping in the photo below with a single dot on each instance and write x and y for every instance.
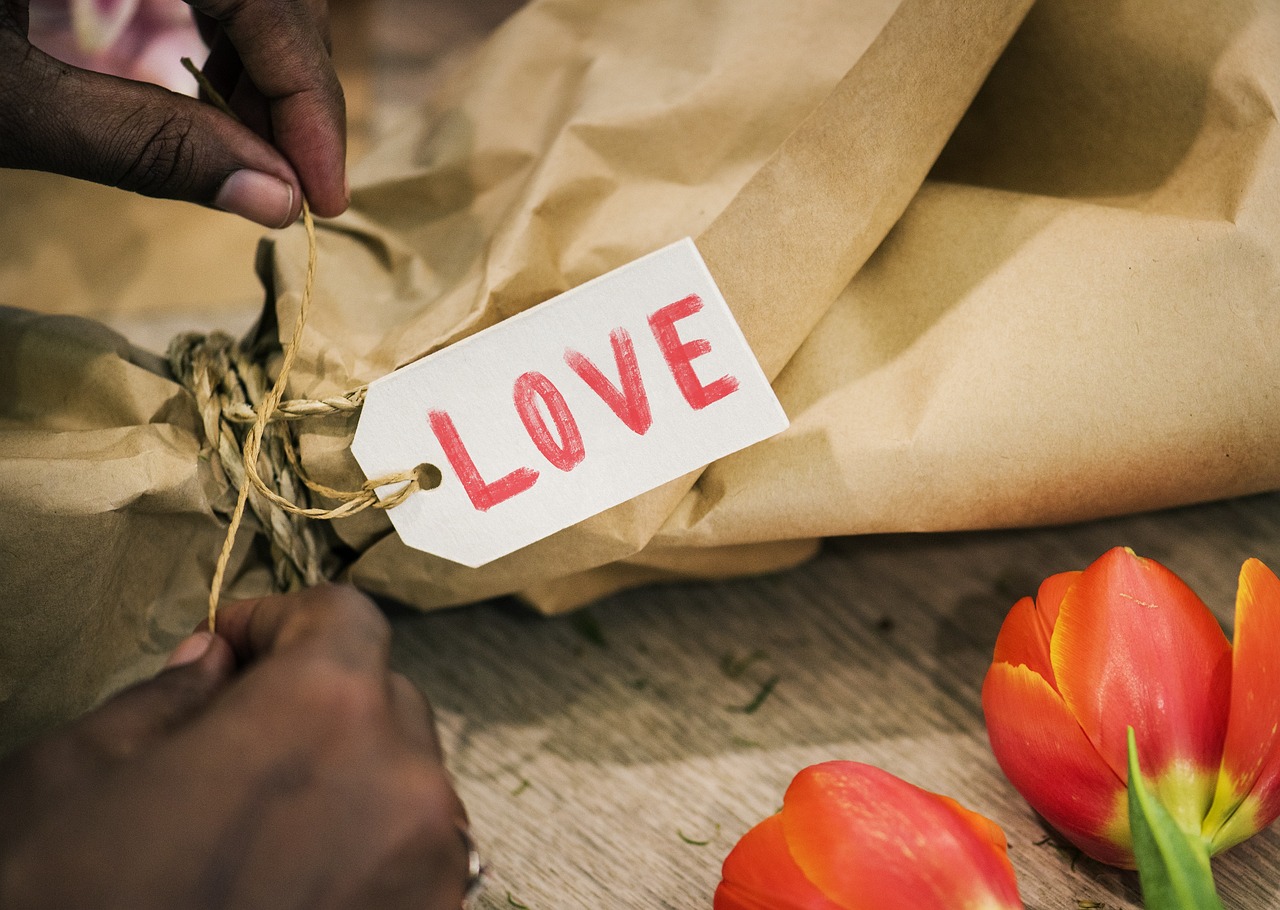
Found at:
(993, 287)
(785, 141)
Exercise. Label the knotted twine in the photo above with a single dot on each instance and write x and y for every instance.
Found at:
(249, 434)
(254, 452)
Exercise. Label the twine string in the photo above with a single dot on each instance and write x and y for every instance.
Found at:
(222, 376)
(272, 412)
(302, 408)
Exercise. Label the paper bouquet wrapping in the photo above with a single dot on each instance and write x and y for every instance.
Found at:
(1002, 267)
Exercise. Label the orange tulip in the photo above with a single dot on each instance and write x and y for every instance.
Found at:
(852, 837)
(1127, 643)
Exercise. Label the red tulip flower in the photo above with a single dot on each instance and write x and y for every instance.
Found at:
(1126, 643)
(852, 837)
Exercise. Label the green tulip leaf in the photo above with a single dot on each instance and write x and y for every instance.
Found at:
(1173, 866)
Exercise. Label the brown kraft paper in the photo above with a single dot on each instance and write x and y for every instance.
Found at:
(1002, 272)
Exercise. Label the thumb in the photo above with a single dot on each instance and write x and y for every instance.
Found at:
(198, 670)
(136, 136)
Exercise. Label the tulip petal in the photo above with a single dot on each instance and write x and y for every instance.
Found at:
(984, 829)
(1027, 630)
(1248, 795)
(873, 842)
(1134, 646)
(1023, 640)
(1050, 761)
(760, 874)
(1050, 596)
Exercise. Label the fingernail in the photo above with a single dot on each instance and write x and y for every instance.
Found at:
(257, 196)
(190, 649)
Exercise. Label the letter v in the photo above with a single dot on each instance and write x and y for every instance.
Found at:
(631, 402)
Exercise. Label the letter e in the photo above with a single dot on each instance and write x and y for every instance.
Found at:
(680, 354)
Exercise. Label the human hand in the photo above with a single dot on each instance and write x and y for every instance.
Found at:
(269, 58)
(310, 777)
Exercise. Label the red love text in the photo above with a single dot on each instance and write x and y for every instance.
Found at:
(681, 354)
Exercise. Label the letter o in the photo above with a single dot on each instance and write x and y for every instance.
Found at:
(565, 452)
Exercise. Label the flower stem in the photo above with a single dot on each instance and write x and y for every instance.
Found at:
(1172, 865)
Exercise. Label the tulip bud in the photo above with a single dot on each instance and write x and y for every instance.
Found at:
(1126, 643)
(852, 837)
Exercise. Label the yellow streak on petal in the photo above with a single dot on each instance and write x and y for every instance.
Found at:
(1117, 829)
(1233, 818)
(1186, 791)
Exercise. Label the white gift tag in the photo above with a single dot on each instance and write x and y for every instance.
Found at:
(567, 409)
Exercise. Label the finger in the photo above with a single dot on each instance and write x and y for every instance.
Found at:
(251, 107)
(15, 15)
(417, 721)
(283, 48)
(415, 718)
(212, 34)
(222, 67)
(333, 622)
(136, 136)
(134, 717)
(444, 858)
(226, 75)
(208, 28)
(190, 649)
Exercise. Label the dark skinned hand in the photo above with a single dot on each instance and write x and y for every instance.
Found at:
(282, 765)
(269, 58)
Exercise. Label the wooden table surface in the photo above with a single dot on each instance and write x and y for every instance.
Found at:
(591, 749)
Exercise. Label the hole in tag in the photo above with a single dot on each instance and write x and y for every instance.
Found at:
(428, 476)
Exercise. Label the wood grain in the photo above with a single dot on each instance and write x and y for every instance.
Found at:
(587, 767)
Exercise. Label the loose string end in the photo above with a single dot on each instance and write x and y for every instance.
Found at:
(424, 477)
(224, 557)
